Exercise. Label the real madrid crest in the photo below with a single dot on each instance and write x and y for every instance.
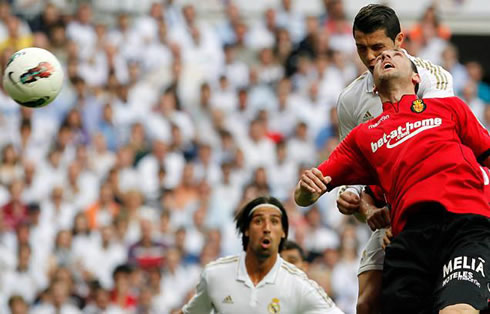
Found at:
(274, 307)
(418, 106)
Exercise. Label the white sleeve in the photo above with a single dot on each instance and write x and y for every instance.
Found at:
(316, 301)
(435, 81)
(346, 121)
(200, 303)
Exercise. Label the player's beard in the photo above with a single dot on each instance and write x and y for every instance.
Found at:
(261, 253)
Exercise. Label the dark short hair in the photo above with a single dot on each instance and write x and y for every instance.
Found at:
(243, 218)
(291, 245)
(125, 269)
(377, 16)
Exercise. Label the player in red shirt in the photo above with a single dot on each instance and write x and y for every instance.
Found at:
(425, 154)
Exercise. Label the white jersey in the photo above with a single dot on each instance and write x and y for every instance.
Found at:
(358, 103)
(225, 287)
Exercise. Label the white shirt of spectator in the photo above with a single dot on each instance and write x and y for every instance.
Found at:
(49, 309)
(225, 287)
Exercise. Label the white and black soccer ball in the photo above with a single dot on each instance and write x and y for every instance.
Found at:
(33, 77)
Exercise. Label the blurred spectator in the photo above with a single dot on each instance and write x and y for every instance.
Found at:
(476, 73)
(429, 37)
(15, 211)
(318, 237)
(103, 211)
(18, 305)
(162, 300)
(450, 62)
(470, 97)
(25, 279)
(429, 20)
(57, 213)
(300, 146)
(346, 294)
(174, 276)
(338, 27)
(103, 256)
(15, 38)
(121, 295)
(10, 168)
(46, 19)
(486, 117)
(283, 175)
(147, 253)
(59, 291)
(294, 254)
(289, 18)
(101, 304)
(82, 31)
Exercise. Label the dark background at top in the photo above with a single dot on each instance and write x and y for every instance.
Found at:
(474, 48)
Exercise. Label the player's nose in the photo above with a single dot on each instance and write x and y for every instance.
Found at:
(267, 226)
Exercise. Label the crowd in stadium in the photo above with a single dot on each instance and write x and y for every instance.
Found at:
(173, 115)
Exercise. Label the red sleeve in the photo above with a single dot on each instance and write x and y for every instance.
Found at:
(470, 130)
(347, 165)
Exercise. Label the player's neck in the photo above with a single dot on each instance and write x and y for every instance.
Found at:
(258, 268)
(393, 94)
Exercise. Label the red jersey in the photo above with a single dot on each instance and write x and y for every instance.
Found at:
(417, 151)
(486, 180)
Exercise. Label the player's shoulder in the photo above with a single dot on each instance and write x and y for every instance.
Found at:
(292, 270)
(222, 263)
(302, 283)
(444, 100)
(350, 94)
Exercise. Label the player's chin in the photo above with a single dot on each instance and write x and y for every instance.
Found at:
(264, 252)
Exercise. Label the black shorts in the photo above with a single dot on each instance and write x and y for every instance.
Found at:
(439, 259)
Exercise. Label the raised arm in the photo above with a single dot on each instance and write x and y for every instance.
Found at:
(346, 165)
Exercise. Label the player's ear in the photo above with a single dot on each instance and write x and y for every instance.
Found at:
(415, 78)
(399, 40)
(375, 90)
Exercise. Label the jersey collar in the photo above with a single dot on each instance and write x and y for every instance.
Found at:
(242, 274)
(370, 83)
(406, 100)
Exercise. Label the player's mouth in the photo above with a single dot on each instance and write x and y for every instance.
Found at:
(388, 65)
(266, 243)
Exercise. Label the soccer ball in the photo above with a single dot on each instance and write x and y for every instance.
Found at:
(33, 77)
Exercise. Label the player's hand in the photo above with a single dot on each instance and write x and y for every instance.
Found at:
(378, 218)
(387, 238)
(348, 202)
(313, 181)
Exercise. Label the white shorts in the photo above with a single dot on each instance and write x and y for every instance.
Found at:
(373, 256)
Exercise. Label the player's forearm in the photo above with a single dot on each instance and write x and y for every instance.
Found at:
(367, 203)
(303, 197)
